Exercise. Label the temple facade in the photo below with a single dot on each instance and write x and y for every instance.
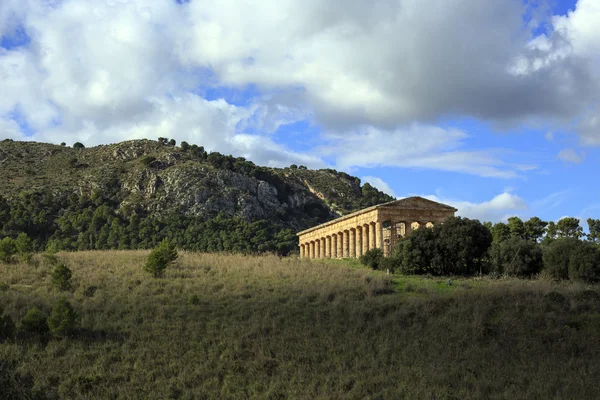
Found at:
(380, 226)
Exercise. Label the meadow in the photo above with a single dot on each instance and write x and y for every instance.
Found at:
(234, 327)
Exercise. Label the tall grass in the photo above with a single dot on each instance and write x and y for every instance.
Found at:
(232, 326)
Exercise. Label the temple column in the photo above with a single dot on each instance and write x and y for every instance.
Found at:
(334, 245)
(378, 235)
(322, 253)
(352, 244)
(345, 243)
(301, 251)
(407, 228)
(340, 242)
(328, 247)
(365, 238)
(372, 242)
(312, 250)
(358, 241)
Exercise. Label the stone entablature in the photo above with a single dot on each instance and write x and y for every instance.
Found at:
(380, 226)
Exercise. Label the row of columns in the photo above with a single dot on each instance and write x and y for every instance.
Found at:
(352, 242)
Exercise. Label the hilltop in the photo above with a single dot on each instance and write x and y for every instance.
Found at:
(158, 180)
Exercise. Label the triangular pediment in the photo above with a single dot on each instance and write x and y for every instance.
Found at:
(417, 202)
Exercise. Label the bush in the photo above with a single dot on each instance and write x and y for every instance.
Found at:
(557, 256)
(147, 160)
(172, 142)
(61, 277)
(24, 246)
(516, 257)
(372, 258)
(7, 250)
(7, 327)
(34, 322)
(63, 319)
(160, 258)
(78, 145)
(185, 145)
(584, 263)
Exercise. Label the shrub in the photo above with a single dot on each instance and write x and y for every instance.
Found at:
(372, 258)
(516, 257)
(7, 327)
(34, 322)
(172, 142)
(63, 144)
(194, 300)
(61, 277)
(24, 246)
(185, 145)
(147, 160)
(557, 256)
(7, 249)
(160, 258)
(78, 145)
(584, 263)
(63, 319)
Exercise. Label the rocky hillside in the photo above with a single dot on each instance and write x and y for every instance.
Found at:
(157, 178)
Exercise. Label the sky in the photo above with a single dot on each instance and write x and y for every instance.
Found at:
(490, 106)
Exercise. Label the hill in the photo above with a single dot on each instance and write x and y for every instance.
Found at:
(226, 327)
(158, 181)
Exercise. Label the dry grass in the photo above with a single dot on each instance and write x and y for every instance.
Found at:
(270, 327)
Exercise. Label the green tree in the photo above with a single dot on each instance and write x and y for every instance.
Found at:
(535, 229)
(584, 263)
(172, 143)
(7, 249)
(372, 258)
(500, 232)
(63, 319)
(569, 227)
(516, 228)
(160, 258)
(594, 228)
(551, 231)
(184, 145)
(78, 145)
(23, 243)
(516, 257)
(34, 322)
(557, 256)
(61, 277)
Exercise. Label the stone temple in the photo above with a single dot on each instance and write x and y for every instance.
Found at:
(380, 226)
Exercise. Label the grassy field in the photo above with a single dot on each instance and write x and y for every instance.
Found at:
(220, 327)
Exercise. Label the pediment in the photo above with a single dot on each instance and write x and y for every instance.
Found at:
(416, 202)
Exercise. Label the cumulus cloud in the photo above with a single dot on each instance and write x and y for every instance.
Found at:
(105, 71)
(571, 156)
(499, 208)
(379, 184)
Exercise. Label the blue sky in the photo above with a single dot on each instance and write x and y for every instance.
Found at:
(493, 106)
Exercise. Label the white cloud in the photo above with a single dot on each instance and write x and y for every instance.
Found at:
(106, 71)
(571, 156)
(417, 146)
(380, 184)
(499, 208)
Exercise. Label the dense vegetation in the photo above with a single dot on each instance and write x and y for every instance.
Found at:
(88, 223)
(218, 326)
(461, 246)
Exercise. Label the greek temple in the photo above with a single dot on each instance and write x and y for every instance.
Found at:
(380, 226)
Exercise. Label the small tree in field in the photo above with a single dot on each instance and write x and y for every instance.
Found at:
(160, 258)
(61, 277)
(63, 319)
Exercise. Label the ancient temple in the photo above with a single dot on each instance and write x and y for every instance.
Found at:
(380, 226)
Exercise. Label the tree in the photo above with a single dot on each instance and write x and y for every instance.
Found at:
(185, 145)
(551, 231)
(7, 250)
(516, 257)
(557, 256)
(163, 141)
(569, 227)
(78, 145)
(372, 258)
(7, 326)
(63, 319)
(516, 228)
(61, 277)
(34, 322)
(534, 229)
(584, 263)
(172, 143)
(594, 228)
(500, 232)
(63, 144)
(293, 166)
(160, 258)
